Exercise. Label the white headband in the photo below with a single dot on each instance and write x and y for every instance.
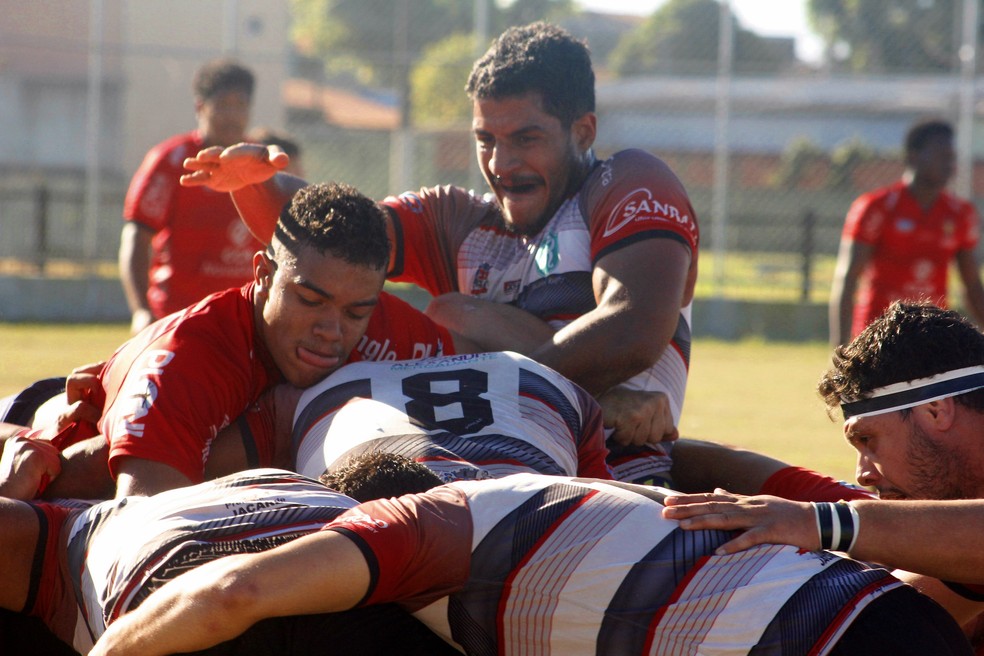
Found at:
(899, 396)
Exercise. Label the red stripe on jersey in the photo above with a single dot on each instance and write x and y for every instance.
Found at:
(533, 551)
(849, 611)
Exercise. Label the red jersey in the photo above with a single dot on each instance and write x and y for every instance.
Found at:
(172, 388)
(913, 247)
(200, 245)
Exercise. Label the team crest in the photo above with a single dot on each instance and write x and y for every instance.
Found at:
(906, 225)
(480, 285)
(547, 257)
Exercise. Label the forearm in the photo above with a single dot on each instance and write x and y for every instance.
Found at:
(701, 466)
(134, 262)
(192, 612)
(259, 204)
(84, 474)
(604, 347)
(939, 539)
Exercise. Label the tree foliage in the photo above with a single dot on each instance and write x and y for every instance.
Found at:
(681, 37)
(364, 37)
(361, 40)
(875, 36)
(438, 81)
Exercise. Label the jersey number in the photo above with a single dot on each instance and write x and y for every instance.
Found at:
(476, 411)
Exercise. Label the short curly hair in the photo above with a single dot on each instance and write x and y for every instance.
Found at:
(921, 132)
(220, 75)
(338, 219)
(542, 58)
(380, 475)
(907, 342)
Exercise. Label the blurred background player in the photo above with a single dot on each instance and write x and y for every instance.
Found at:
(898, 241)
(181, 244)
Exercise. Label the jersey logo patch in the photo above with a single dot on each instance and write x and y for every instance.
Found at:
(480, 284)
(547, 257)
(905, 225)
(412, 202)
(640, 205)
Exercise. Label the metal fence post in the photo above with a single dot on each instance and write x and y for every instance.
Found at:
(806, 252)
(41, 226)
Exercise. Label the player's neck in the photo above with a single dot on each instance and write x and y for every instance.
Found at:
(925, 192)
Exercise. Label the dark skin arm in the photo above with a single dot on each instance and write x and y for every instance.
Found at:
(632, 313)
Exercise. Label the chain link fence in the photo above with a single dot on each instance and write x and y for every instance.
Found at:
(771, 149)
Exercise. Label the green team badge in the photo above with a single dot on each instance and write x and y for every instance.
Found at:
(546, 255)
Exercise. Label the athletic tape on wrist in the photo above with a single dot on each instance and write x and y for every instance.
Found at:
(907, 394)
(837, 524)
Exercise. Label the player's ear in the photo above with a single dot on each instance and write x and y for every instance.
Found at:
(584, 129)
(940, 414)
(263, 268)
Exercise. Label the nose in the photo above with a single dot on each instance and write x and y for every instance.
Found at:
(867, 473)
(502, 161)
(329, 325)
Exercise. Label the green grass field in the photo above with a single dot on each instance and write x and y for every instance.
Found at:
(753, 394)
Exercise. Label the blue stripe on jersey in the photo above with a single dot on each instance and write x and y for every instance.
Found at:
(473, 612)
(682, 338)
(560, 295)
(650, 586)
(538, 387)
(804, 618)
(322, 404)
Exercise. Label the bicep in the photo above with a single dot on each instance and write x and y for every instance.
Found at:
(324, 572)
(140, 477)
(651, 278)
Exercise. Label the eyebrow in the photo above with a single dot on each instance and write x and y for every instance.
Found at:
(536, 127)
(320, 292)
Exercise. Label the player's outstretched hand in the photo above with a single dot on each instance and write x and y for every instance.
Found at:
(637, 417)
(763, 519)
(234, 167)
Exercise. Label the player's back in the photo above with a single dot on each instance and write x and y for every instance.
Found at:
(466, 416)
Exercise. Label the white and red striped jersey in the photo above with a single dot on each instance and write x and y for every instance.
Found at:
(482, 415)
(551, 565)
(122, 550)
(451, 240)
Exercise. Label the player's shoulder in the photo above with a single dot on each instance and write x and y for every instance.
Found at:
(417, 200)
(958, 204)
(220, 323)
(172, 151)
(632, 169)
(882, 197)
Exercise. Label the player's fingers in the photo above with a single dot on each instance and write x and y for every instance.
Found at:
(92, 368)
(80, 411)
(742, 541)
(196, 179)
(206, 156)
(277, 156)
(703, 497)
(245, 151)
(80, 386)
